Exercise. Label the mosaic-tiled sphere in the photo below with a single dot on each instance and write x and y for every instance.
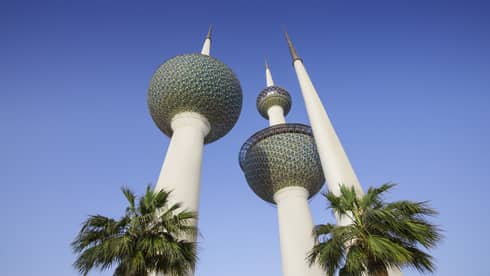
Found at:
(195, 83)
(273, 95)
(281, 156)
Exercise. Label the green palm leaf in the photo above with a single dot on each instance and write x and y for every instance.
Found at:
(381, 236)
(151, 236)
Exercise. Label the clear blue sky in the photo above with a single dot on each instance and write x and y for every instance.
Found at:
(406, 84)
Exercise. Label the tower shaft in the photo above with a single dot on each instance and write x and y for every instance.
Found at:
(181, 170)
(295, 232)
(276, 115)
(335, 163)
(336, 166)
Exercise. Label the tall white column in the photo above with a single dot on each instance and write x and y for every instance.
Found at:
(295, 232)
(181, 170)
(276, 115)
(336, 166)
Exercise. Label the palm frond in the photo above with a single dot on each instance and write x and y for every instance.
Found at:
(151, 236)
(381, 235)
(130, 197)
(373, 196)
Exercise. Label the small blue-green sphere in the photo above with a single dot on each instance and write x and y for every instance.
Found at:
(281, 156)
(273, 95)
(195, 83)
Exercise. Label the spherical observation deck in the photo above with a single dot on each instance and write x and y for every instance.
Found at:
(273, 95)
(281, 156)
(195, 83)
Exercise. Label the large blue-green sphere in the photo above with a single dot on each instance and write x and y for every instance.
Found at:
(195, 83)
(281, 156)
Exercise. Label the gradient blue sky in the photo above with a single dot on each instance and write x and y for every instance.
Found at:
(406, 84)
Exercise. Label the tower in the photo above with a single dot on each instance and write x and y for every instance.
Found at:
(195, 99)
(282, 166)
(335, 163)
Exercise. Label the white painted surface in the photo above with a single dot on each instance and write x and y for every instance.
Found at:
(276, 115)
(206, 47)
(295, 232)
(335, 163)
(268, 77)
(275, 112)
(181, 170)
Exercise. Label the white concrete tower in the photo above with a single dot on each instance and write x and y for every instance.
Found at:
(336, 166)
(194, 99)
(335, 163)
(282, 167)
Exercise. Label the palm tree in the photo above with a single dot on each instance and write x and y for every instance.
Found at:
(382, 235)
(147, 238)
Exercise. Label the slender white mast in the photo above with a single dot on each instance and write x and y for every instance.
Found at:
(206, 47)
(268, 75)
(275, 112)
(336, 166)
(335, 163)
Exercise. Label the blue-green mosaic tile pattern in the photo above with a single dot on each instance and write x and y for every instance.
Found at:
(273, 95)
(281, 156)
(197, 83)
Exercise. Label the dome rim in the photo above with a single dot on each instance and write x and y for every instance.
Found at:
(270, 131)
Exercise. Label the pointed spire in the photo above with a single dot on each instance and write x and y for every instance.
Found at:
(206, 47)
(210, 31)
(268, 75)
(294, 55)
